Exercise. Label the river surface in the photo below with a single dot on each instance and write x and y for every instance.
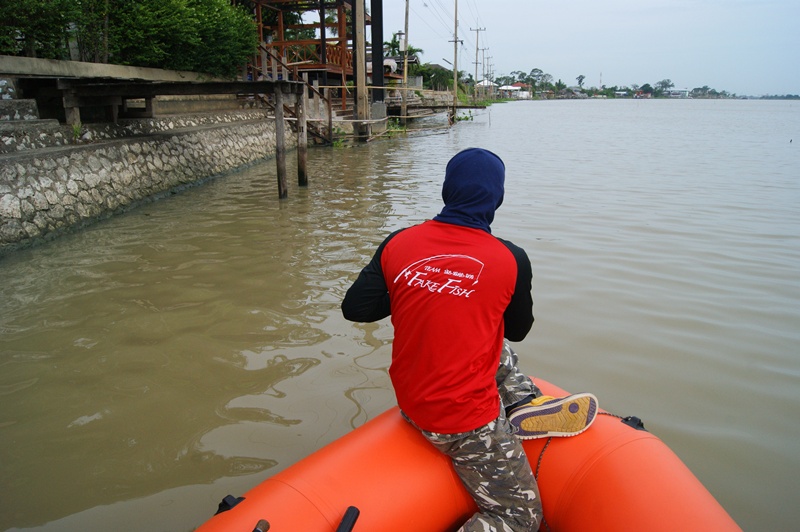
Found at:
(154, 362)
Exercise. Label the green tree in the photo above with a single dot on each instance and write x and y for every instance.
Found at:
(663, 86)
(35, 28)
(154, 33)
(392, 48)
(535, 76)
(227, 37)
(546, 82)
(580, 79)
(210, 36)
(518, 76)
(91, 30)
(505, 80)
(435, 77)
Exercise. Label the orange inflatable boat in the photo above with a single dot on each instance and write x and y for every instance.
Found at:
(384, 477)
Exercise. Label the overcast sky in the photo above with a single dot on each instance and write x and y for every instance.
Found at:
(746, 47)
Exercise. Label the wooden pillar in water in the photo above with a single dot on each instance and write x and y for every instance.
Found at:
(376, 12)
(329, 113)
(362, 126)
(280, 142)
(302, 133)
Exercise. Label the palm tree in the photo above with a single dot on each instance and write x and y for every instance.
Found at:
(392, 48)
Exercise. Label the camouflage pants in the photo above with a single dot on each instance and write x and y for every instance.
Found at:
(513, 385)
(491, 462)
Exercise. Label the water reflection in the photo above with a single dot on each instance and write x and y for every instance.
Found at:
(151, 351)
(150, 363)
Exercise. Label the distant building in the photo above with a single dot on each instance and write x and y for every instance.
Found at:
(677, 93)
(486, 87)
(515, 91)
(524, 90)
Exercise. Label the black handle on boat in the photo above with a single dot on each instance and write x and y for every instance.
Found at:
(349, 520)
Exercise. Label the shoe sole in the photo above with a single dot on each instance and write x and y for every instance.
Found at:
(568, 416)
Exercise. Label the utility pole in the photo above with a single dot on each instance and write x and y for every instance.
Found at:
(404, 104)
(477, 34)
(483, 65)
(455, 63)
(490, 75)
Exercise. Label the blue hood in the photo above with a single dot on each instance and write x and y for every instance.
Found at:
(473, 189)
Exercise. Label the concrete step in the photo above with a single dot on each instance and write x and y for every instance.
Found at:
(18, 110)
(21, 135)
(7, 89)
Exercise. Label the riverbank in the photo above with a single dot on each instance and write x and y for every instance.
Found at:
(56, 177)
(46, 192)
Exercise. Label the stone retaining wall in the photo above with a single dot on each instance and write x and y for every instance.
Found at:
(45, 192)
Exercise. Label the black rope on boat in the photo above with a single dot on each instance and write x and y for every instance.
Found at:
(541, 455)
(631, 421)
(536, 476)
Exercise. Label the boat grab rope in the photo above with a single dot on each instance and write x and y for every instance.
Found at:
(536, 476)
(631, 421)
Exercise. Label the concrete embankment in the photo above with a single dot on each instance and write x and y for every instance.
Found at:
(55, 177)
(46, 191)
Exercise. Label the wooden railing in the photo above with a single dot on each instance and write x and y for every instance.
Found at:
(275, 68)
(309, 52)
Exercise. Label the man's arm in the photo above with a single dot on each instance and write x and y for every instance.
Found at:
(518, 316)
(367, 300)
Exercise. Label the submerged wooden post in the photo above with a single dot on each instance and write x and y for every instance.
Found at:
(302, 134)
(280, 142)
(329, 113)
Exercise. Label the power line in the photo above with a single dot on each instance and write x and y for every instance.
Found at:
(425, 20)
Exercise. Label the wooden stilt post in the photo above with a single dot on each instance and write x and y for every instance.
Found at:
(329, 113)
(360, 67)
(302, 133)
(280, 142)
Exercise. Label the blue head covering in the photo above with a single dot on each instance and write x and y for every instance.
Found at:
(473, 189)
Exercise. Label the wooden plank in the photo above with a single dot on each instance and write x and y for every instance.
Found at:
(301, 105)
(280, 145)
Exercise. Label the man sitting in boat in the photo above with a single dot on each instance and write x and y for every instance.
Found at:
(455, 292)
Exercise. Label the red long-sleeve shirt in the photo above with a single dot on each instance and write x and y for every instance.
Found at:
(453, 293)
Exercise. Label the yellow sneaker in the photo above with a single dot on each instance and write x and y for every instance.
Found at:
(547, 416)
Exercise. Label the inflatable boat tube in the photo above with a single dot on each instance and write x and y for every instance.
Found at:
(614, 477)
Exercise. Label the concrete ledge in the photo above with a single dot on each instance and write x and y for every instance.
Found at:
(49, 124)
(29, 66)
(18, 135)
(18, 110)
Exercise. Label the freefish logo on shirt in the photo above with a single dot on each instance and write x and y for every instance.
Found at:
(454, 275)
